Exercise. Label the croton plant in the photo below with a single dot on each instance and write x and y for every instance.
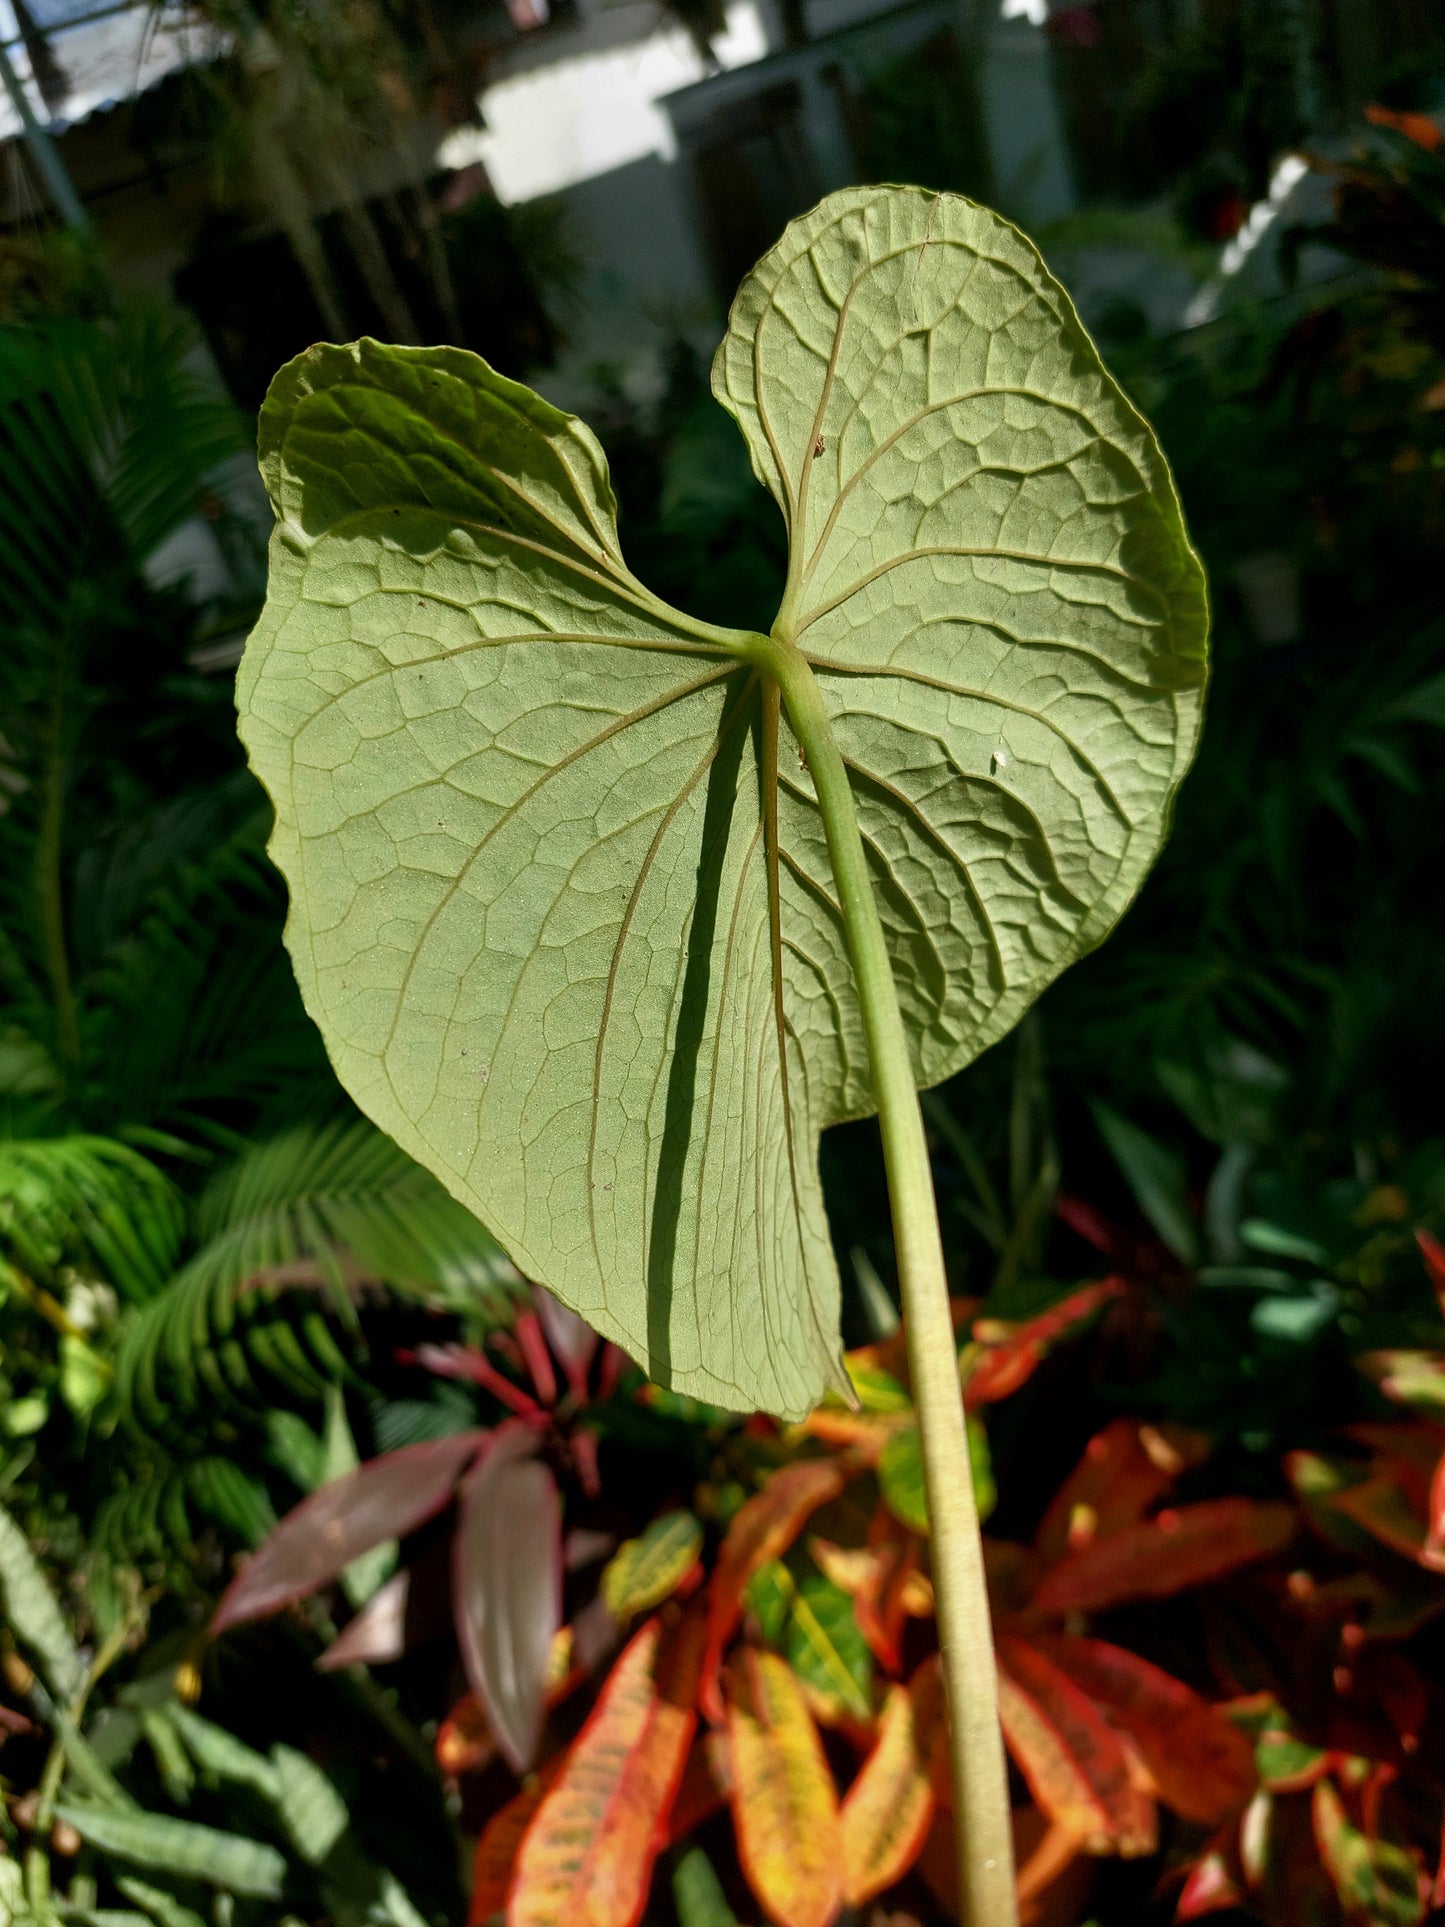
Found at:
(762, 1649)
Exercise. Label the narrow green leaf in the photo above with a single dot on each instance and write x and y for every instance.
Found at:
(102, 1916)
(166, 1845)
(1157, 1178)
(646, 1570)
(312, 1811)
(221, 1753)
(32, 1613)
(176, 1770)
(163, 1907)
(697, 1893)
(87, 1766)
(1278, 1242)
(319, 1826)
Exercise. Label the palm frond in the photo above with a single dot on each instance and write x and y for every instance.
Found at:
(93, 1203)
(161, 1510)
(107, 432)
(291, 1231)
(192, 1009)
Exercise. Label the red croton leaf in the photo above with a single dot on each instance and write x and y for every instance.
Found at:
(587, 1857)
(1201, 1764)
(1164, 1555)
(1010, 1354)
(1387, 1513)
(1433, 1252)
(1123, 1470)
(384, 1499)
(704, 1787)
(762, 1529)
(507, 1588)
(571, 1338)
(785, 1808)
(1073, 1760)
(1209, 1889)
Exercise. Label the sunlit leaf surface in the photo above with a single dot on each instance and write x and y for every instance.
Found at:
(561, 900)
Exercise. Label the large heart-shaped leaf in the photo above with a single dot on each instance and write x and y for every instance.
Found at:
(562, 903)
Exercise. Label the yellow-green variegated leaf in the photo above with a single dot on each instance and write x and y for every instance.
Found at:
(561, 901)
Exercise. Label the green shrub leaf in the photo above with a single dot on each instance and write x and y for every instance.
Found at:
(33, 1614)
(561, 900)
(162, 1845)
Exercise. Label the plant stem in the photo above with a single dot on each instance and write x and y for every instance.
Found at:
(982, 1822)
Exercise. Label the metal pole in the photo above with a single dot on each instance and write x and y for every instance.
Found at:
(43, 151)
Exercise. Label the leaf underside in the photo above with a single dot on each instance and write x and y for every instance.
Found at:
(561, 901)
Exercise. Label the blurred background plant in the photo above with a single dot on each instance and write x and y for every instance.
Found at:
(221, 1290)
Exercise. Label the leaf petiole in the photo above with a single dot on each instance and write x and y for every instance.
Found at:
(980, 1780)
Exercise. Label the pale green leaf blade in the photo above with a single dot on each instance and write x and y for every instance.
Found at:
(562, 945)
(518, 802)
(164, 1845)
(989, 573)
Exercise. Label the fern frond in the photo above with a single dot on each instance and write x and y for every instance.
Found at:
(290, 1231)
(90, 1202)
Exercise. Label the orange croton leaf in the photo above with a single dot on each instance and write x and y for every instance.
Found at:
(1164, 1555)
(1005, 1355)
(869, 1432)
(587, 1858)
(496, 1855)
(762, 1529)
(1123, 1470)
(1201, 1764)
(889, 1807)
(1426, 133)
(464, 1742)
(785, 1808)
(1074, 1761)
